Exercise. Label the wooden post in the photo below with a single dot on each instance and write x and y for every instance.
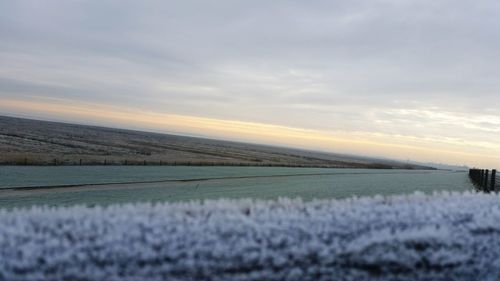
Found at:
(493, 179)
(80, 162)
(477, 175)
(55, 162)
(144, 162)
(485, 180)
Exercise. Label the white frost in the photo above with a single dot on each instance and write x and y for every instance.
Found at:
(446, 236)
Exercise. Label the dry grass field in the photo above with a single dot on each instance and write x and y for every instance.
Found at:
(33, 142)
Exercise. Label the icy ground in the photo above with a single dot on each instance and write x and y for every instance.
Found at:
(416, 237)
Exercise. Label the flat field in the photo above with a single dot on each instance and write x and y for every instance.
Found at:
(97, 185)
(33, 142)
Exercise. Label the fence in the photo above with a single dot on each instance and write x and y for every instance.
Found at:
(484, 180)
(143, 162)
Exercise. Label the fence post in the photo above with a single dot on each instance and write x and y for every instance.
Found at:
(493, 179)
(485, 180)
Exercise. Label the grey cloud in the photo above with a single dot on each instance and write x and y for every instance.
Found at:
(295, 63)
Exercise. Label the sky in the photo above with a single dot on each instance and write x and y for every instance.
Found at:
(402, 79)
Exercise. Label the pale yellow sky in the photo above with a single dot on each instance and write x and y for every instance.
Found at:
(379, 145)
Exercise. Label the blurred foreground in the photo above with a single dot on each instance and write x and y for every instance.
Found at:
(415, 237)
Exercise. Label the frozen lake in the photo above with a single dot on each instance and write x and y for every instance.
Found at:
(120, 184)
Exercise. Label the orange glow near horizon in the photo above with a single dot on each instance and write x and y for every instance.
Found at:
(360, 143)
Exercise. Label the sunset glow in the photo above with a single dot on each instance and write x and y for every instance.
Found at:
(379, 145)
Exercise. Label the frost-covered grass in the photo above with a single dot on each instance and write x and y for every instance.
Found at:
(417, 237)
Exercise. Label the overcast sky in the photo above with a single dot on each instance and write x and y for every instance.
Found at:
(410, 79)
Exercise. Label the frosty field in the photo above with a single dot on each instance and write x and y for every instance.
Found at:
(121, 184)
(416, 237)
